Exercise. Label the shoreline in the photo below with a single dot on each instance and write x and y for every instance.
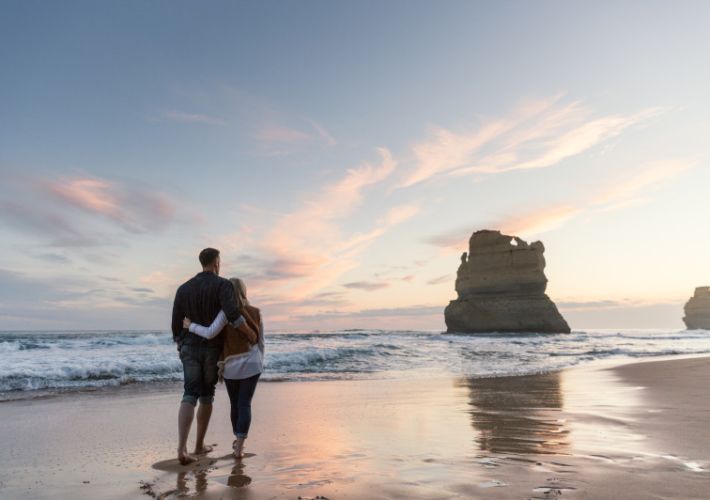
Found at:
(612, 431)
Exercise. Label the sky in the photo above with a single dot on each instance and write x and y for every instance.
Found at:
(341, 154)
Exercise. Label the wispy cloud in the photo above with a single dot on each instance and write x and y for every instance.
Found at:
(322, 132)
(53, 258)
(333, 202)
(600, 305)
(395, 312)
(537, 134)
(539, 221)
(48, 225)
(183, 117)
(247, 118)
(281, 134)
(70, 298)
(446, 278)
(530, 223)
(84, 211)
(592, 304)
(453, 239)
(651, 177)
(619, 194)
(310, 248)
(136, 210)
(273, 132)
(274, 137)
(368, 286)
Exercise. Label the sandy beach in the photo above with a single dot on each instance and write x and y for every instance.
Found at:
(630, 431)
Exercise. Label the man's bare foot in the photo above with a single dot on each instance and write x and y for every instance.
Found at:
(185, 458)
(206, 448)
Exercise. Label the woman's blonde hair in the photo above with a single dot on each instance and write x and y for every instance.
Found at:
(240, 291)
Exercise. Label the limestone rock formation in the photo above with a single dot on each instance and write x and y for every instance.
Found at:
(697, 309)
(501, 288)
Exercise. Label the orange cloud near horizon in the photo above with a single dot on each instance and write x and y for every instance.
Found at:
(616, 195)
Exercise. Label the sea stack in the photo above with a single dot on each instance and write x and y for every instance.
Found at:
(697, 310)
(501, 288)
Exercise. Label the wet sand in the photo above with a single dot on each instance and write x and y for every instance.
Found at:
(632, 431)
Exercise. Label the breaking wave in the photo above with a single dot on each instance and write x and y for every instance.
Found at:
(65, 361)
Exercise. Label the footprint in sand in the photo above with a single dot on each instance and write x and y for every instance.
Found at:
(551, 491)
(493, 483)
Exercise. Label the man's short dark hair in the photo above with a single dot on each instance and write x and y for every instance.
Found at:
(208, 256)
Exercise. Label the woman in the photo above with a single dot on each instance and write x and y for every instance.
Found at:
(241, 362)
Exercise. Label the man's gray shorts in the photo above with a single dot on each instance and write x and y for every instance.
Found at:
(199, 365)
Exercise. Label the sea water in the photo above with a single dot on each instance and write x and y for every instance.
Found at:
(35, 363)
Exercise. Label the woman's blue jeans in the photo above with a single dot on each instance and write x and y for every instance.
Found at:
(240, 394)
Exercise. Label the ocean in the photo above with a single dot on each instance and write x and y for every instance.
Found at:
(38, 363)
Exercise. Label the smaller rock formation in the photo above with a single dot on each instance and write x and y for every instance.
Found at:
(501, 288)
(697, 310)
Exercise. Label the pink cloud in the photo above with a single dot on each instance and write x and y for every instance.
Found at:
(136, 210)
(281, 134)
(310, 248)
(91, 195)
(621, 193)
(182, 117)
(537, 134)
(556, 142)
(276, 138)
(530, 223)
(539, 221)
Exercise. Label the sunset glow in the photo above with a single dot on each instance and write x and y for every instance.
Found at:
(342, 168)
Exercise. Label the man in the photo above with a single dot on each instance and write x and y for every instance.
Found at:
(200, 299)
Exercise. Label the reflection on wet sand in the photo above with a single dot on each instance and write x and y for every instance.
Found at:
(338, 440)
(193, 480)
(184, 479)
(518, 414)
(238, 479)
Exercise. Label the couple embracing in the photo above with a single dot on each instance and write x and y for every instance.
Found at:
(218, 335)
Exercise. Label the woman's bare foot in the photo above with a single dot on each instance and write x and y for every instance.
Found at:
(238, 447)
(206, 448)
(185, 458)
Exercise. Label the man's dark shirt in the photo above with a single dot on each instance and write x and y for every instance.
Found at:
(201, 299)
